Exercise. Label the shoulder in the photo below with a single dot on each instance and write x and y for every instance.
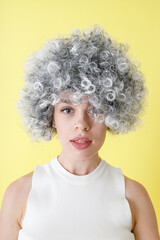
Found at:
(16, 195)
(13, 206)
(133, 188)
(145, 222)
(20, 187)
(25, 183)
(136, 193)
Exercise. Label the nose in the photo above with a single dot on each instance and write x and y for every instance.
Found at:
(82, 121)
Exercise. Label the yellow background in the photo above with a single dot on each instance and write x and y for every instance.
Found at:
(25, 26)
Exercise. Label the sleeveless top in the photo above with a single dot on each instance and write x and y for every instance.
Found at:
(65, 206)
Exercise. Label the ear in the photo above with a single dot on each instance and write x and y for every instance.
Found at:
(53, 124)
(53, 121)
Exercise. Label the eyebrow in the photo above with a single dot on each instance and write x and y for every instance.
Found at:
(68, 101)
(65, 101)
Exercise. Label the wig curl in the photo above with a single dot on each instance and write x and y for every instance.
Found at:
(85, 63)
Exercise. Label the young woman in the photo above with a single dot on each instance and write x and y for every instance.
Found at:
(79, 88)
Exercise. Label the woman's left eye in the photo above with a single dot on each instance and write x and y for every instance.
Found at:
(93, 110)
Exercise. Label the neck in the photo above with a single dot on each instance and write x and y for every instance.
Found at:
(79, 166)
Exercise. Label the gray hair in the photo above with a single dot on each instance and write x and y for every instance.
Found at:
(87, 63)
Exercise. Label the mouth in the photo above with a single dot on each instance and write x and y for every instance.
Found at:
(79, 144)
(80, 141)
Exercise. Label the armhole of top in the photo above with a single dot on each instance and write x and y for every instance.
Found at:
(123, 193)
(33, 183)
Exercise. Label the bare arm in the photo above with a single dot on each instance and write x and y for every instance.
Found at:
(146, 227)
(11, 212)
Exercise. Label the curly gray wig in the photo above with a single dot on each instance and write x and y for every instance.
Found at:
(87, 63)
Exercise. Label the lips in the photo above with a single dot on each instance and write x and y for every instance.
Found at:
(81, 145)
(81, 139)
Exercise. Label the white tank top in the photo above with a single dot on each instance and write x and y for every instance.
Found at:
(65, 206)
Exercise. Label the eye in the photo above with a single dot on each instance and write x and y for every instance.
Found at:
(64, 109)
(92, 110)
(68, 110)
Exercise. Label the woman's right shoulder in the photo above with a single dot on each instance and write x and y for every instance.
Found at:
(25, 184)
(21, 187)
(13, 205)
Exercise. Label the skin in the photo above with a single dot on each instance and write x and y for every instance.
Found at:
(70, 123)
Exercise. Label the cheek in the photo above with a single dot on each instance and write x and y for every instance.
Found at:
(62, 129)
(102, 132)
(101, 127)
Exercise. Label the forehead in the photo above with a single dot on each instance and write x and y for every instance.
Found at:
(73, 98)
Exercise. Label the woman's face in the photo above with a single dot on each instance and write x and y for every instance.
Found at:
(73, 121)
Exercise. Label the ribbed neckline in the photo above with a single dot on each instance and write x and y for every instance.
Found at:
(76, 179)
